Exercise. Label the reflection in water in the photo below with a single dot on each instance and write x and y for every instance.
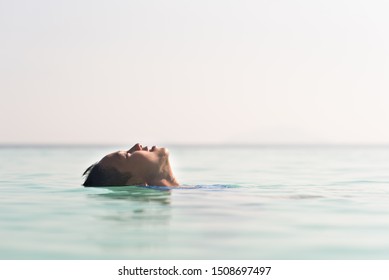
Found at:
(134, 193)
(129, 219)
(135, 205)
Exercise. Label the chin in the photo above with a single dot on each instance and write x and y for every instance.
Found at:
(163, 151)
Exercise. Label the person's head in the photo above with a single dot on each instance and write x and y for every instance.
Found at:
(137, 166)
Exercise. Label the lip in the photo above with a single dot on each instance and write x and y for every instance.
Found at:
(139, 147)
(145, 148)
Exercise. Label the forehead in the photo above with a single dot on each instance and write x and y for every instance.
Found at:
(112, 158)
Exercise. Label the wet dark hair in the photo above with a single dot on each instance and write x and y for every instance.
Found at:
(98, 175)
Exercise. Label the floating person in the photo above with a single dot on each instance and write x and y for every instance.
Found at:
(139, 166)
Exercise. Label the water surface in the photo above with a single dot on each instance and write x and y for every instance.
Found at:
(258, 202)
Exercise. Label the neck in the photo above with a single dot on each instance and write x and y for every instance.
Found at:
(168, 180)
(164, 176)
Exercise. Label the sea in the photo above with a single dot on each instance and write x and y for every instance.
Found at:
(273, 202)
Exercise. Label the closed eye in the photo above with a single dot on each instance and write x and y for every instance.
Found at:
(125, 153)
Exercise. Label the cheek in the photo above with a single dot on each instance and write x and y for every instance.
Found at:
(142, 161)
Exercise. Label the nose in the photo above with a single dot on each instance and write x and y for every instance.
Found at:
(136, 147)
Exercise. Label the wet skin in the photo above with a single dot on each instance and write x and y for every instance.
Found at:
(148, 167)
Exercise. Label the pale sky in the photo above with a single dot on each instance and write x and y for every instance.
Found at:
(277, 71)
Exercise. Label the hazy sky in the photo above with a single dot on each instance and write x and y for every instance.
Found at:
(277, 71)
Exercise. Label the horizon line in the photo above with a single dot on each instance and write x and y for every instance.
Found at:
(211, 144)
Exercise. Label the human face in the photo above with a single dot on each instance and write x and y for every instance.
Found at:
(146, 166)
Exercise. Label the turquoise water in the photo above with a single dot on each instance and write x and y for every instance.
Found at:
(265, 202)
